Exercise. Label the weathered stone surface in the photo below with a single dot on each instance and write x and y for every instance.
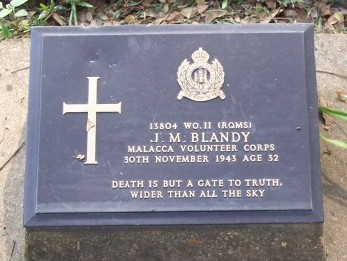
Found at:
(14, 79)
(239, 242)
(331, 57)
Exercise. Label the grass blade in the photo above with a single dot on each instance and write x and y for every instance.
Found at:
(338, 143)
(84, 4)
(335, 113)
(224, 4)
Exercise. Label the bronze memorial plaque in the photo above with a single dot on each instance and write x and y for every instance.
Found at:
(180, 124)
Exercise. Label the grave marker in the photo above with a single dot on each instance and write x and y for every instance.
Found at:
(209, 124)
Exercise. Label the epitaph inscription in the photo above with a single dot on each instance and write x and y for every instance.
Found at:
(189, 131)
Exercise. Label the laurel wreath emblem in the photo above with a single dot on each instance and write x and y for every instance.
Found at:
(200, 80)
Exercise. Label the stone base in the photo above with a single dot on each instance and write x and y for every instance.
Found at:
(238, 242)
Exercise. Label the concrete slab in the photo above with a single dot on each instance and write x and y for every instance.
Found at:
(331, 63)
(14, 80)
(265, 242)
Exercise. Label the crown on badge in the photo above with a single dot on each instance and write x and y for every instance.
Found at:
(200, 56)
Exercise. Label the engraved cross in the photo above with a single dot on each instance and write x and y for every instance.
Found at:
(92, 107)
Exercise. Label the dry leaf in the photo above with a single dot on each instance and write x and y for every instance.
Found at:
(104, 17)
(93, 23)
(150, 13)
(172, 16)
(130, 19)
(188, 12)
(302, 16)
(200, 2)
(271, 4)
(276, 12)
(314, 13)
(336, 18)
(342, 95)
(166, 7)
(237, 19)
(59, 19)
(213, 14)
(31, 14)
(290, 13)
(82, 18)
(147, 3)
(162, 1)
(325, 10)
(273, 15)
(89, 16)
(159, 21)
(90, 125)
(24, 22)
(340, 17)
(201, 8)
(80, 157)
(328, 120)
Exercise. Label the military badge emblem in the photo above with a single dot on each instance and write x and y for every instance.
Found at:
(201, 80)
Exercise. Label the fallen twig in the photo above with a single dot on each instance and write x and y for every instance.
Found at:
(21, 69)
(12, 156)
(13, 247)
(332, 73)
